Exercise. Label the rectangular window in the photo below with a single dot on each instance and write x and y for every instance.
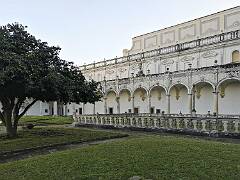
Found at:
(158, 111)
(129, 110)
(136, 110)
(110, 110)
(46, 110)
(152, 110)
(80, 110)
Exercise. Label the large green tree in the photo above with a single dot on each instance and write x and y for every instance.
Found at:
(32, 70)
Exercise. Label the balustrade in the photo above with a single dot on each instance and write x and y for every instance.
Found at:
(195, 124)
(165, 50)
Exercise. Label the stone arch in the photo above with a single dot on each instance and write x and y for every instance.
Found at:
(156, 86)
(235, 56)
(203, 97)
(178, 84)
(205, 81)
(125, 89)
(125, 100)
(111, 101)
(111, 91)
(140, 96)
(158, 99)
(228, 96)
(140, 88)
(179, 99)
(228, 79)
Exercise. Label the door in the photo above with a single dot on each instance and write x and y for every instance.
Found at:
(110, 110)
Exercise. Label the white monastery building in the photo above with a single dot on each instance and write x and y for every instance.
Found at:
(190, 67)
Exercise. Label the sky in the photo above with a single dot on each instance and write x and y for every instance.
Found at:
(91, 30)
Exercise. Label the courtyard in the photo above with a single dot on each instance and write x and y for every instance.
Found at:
(123, 155)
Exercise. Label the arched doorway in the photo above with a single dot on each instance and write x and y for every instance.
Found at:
(204, 98)
(140, 100)
(111, 102)
(179, 99)
(125, 101)
(158, 100)
(228, 97)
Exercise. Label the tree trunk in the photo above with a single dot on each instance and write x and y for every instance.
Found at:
(10, 116)
(11, 131)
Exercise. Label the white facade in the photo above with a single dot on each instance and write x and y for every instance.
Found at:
(190, 66)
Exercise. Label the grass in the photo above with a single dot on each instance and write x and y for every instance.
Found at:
(46, 120)
(154, 157)
(46, 136)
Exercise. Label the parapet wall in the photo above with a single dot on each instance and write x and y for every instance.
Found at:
(221, 22)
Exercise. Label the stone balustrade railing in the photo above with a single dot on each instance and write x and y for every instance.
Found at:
(185, 123)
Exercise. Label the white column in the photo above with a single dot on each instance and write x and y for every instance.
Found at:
(149, 104)
(132, 98)
(193, 99)
(83, 109)
(190, 103)
(64, 110)
(40, 108)
(168, 103)
(94, 108)
(55, 108)
(105, 105)
(215, 108)
(118, 105)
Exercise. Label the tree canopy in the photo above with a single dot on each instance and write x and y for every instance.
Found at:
(31, 69)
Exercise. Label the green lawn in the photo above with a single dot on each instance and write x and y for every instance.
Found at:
(154, 157)
(46, 120)
(50, 136)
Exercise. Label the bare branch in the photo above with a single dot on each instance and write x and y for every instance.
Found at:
(26, 109)
(2, 117)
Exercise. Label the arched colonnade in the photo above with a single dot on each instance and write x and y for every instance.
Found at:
(203, 97)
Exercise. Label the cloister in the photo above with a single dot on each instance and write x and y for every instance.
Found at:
(203, 96)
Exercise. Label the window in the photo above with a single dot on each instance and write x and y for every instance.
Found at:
(158, 111)
(136, 110)
(235, 56)
(152, 110)
(80, 110)
(129, 110)
(46, 110)
(110, 110)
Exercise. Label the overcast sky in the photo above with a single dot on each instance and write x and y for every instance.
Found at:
(91, 30)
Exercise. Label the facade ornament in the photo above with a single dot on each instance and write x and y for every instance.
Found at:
(202, 79)
(222, 90)
(209, 54)
(177, 91)
(187, 58)
(167, 62)
(110, 72)
(122, 70)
